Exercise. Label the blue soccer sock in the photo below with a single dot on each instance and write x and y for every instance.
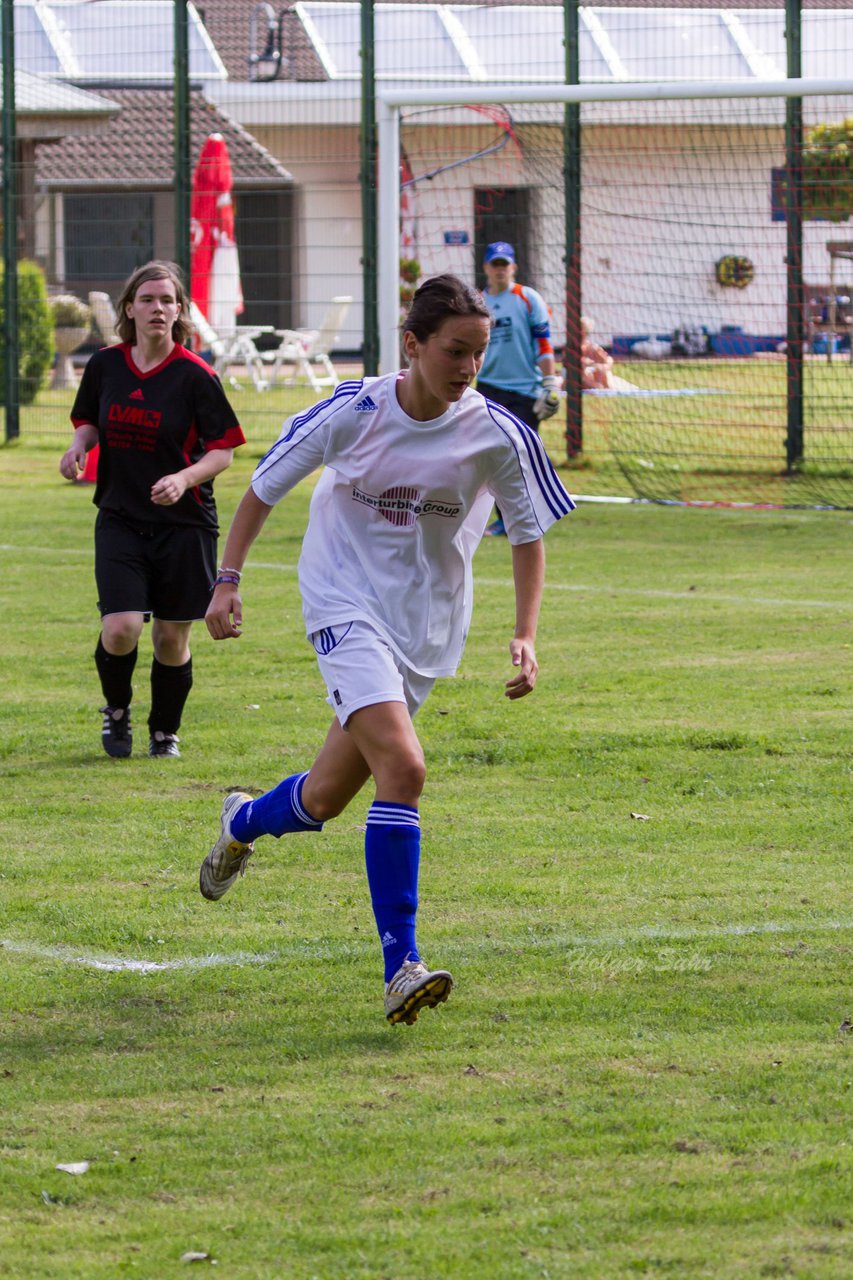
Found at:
(276, 813)
(392, 852)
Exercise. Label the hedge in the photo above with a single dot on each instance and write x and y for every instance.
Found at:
(35, 332)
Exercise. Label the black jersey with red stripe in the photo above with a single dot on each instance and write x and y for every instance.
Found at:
(151, 425)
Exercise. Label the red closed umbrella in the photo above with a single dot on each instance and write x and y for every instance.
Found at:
(214, 266)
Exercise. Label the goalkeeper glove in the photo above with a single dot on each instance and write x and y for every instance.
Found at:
(547, 402)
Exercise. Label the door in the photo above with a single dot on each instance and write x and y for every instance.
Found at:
(264, 229)
(502, 213)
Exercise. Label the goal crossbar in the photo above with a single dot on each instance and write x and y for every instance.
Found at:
(391, 101)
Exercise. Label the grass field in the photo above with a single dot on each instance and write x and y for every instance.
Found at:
(720, 439)
(715, 430)
(639, 877)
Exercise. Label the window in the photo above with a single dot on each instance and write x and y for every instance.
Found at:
(107, 236)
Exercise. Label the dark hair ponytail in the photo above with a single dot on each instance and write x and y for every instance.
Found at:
(437, 300)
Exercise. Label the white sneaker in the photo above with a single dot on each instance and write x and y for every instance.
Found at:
(415, 987)
(228, 857)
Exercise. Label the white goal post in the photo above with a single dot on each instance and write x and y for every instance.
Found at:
(390, 103)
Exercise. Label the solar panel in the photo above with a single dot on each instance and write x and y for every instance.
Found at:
(411, 40)
(827, 40)
(121, 40)
(485, 42)
(34, 51)
(656, 44)
(132, 40)
(766, 30)
(504, 53)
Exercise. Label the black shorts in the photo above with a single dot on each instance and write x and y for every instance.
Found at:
(164, 570)
(521, 406)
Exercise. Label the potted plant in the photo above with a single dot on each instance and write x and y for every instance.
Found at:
(828, 171)
(71, 322)
(410, 274)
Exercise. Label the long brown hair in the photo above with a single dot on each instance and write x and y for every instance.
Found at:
(156, 270)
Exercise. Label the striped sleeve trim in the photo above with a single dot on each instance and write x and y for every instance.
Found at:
(556, 498)
(344, 392)
(552, 488)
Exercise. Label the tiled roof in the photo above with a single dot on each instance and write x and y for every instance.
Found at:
(136, 150)
(227, 23)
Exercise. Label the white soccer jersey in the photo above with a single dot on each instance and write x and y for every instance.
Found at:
(400, 508)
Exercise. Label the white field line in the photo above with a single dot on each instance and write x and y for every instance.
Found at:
(663, 933)
(657, 934)
(634, 937)
(119, 964)
(795, 512)
(75, 552)
(695, 596)
(581, 588)
(599, 589)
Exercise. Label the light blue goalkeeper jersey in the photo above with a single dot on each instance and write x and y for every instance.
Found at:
(521, 333)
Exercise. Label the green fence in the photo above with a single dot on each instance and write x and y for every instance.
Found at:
(706, 241)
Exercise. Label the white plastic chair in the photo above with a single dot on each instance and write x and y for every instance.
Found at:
(308, 350)
(236, 348)
(105, 316)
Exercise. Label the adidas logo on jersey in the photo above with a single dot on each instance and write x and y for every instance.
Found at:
(136, 395)
(366, 406)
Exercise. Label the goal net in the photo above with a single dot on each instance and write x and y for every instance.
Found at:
(683, 229)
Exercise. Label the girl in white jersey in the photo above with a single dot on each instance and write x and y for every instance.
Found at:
(412, 463)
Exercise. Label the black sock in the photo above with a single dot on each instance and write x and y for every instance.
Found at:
(115, 671)
(170, 688)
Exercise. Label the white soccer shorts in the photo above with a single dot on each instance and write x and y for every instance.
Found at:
(360, 669)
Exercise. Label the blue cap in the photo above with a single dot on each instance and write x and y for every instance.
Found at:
(500, 249)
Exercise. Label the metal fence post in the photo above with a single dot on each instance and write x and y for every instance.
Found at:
(572, 257)
(794, 443)
(10, 222)
(368, 178)
(182, 138)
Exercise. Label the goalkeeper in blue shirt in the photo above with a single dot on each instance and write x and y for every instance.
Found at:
(519, 371)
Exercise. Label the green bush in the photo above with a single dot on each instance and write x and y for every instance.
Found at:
(35, 332)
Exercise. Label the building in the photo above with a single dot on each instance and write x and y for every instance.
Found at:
(668, 189)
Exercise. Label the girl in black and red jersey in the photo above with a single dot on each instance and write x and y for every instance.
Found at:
(165, 429)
